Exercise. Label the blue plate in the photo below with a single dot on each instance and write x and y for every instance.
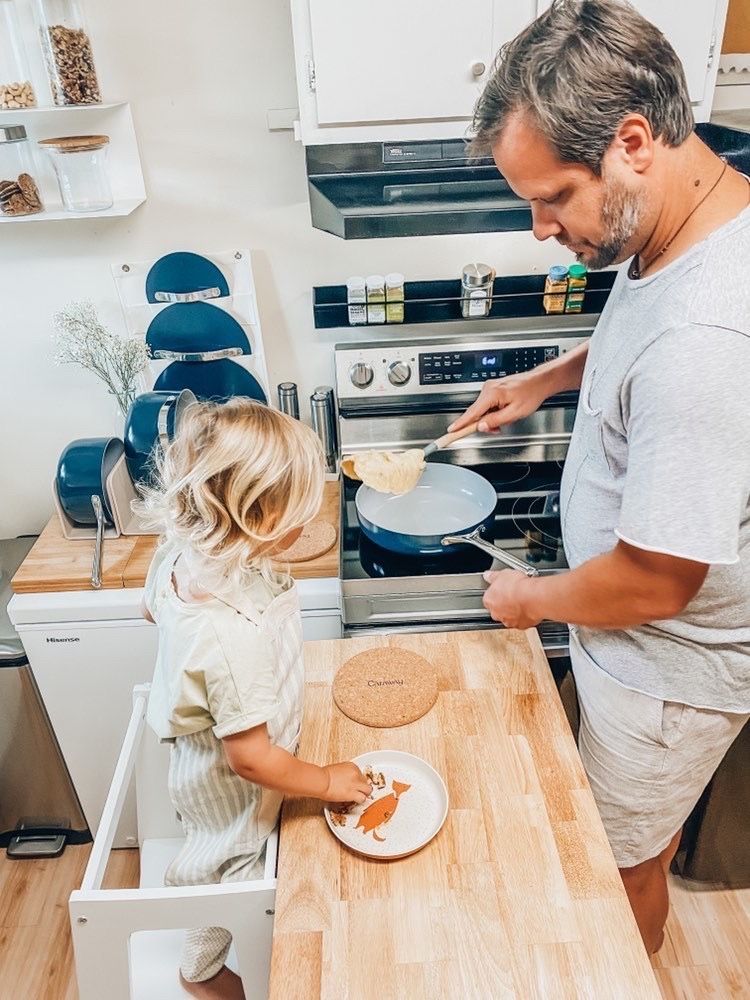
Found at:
(82, 472)
(195, 329)
(185, 277)
(217, 381)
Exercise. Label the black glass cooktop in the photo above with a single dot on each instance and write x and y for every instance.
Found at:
(526, 524)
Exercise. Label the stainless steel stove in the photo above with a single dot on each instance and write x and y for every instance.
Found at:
(401, 393)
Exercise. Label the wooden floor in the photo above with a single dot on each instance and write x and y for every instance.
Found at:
(706, 954)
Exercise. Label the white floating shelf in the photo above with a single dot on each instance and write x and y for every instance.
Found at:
(65, 109)
(57, 214)
(123, 159)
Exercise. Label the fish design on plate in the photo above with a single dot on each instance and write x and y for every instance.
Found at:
(381, 811)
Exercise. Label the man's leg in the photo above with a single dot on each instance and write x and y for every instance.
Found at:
(646, 886)
(647, 762)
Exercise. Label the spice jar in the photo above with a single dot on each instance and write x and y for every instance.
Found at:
(477, 283)
(577, 277)
(80, 163)
(19, 194)
(356, 297)
(555, 288)
(376, 299)
(16, 91)
(67, 52)
(394, 298)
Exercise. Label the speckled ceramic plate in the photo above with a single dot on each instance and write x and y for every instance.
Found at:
(400, 818)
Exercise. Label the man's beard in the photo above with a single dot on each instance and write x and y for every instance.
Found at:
(622, 211)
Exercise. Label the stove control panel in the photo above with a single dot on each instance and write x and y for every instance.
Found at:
(452, 367)
(399, 370)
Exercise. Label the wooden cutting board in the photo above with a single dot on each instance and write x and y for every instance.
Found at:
(518, 896)
(56, 564)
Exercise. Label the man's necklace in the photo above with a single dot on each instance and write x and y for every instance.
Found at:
(635, 270)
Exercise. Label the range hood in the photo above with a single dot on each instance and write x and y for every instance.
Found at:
(377, 189)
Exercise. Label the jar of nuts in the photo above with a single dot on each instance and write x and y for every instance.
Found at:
(16, 91)
(67, 52)
(19, 194)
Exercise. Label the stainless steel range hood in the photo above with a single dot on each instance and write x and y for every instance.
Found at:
(377, 189)
(373, 189)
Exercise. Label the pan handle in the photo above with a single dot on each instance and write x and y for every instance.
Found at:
(161, 422)
(475, 539)
(96, 568)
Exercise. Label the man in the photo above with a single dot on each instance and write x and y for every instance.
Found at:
(588, 117)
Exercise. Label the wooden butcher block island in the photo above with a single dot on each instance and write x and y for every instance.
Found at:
(518, 896)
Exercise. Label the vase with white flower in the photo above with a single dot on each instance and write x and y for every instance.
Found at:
(81, 339)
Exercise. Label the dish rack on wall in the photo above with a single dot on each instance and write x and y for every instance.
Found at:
(230, 288)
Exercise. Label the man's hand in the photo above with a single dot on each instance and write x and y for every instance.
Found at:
(505, 401)
(506, 598)
(620, 589)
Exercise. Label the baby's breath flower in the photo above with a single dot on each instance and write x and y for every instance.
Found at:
(80, 339)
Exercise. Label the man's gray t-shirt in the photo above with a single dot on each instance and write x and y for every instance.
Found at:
(660, 458)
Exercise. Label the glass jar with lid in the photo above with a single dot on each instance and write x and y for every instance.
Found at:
(80, 163)
(16, 90)
(477, 284)
(67, 52)
(19, 192)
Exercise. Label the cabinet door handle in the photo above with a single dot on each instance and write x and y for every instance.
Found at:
(478, 69)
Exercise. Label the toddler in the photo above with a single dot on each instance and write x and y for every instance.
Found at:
(237, 485)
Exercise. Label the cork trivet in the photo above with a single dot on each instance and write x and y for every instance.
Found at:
(384, 688)
(316, 539)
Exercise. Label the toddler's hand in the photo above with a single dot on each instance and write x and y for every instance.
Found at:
(346, 783)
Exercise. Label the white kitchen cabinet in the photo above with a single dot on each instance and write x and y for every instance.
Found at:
(412, 69)
(403, 68)
(695, 30)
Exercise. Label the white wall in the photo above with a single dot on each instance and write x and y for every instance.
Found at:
(200, 78)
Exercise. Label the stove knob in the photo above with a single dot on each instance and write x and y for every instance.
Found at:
(361, 374)
(399, 373)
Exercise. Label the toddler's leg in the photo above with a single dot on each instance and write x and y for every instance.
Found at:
(202, 970)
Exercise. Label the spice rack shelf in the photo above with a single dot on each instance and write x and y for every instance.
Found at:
(114, 119)
(513, 297)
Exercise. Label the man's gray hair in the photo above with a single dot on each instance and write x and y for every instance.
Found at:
(578, 70)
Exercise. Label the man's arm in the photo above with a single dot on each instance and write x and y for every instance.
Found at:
(516, 396)
(623, 588)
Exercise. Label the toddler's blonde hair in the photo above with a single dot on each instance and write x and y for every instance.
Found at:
(238, 477)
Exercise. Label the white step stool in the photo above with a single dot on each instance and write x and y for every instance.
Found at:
(128, 942)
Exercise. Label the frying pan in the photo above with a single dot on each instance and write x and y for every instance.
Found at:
(82, 472)
(153, 420)
(450, 506)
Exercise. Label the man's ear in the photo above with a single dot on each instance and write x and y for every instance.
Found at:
(633, 143)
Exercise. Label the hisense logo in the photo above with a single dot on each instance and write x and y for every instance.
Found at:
(72, 638)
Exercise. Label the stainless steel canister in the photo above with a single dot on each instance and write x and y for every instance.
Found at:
(288, 399)
(323, 413)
